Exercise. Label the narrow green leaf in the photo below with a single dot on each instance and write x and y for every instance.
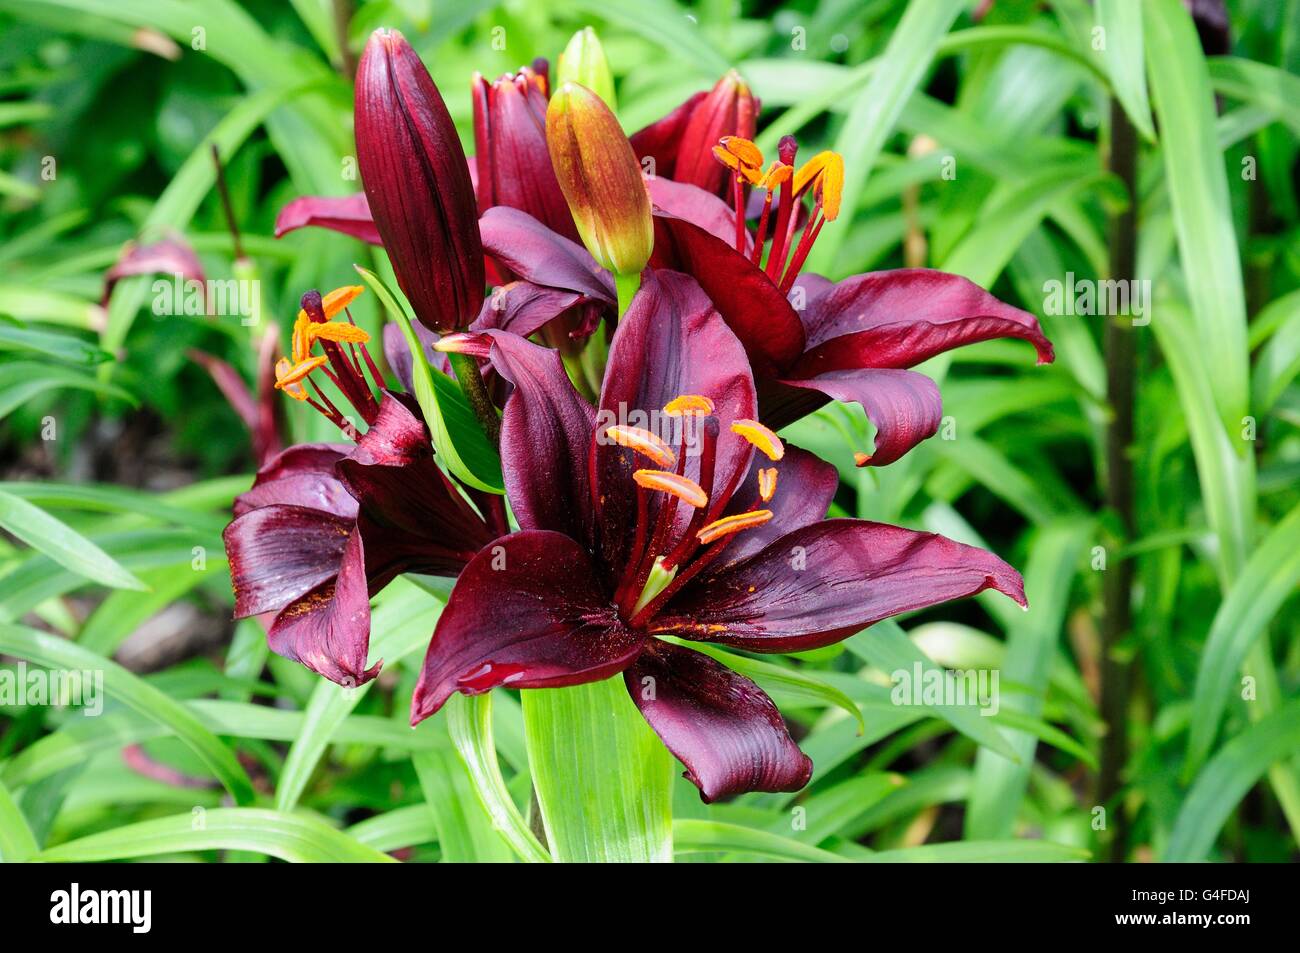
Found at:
(21, 381)
(1224, 781)
(63, 347)
(298, 838)
(134, 692)
(1198, 195)
(696, 836)
(62, 543)
(1268, 580)
(469, 722)
(457, 436)
(603, 777)
(983, 852)
(465, 832)
(17, 843)
(1124, 59)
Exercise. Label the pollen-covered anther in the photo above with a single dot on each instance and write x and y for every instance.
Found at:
(339, 333)
(674, 484)
(685, 404)
(732, 524)
(289, 376)
(777, 174)
(824, 172)
(760, 436)
(336, 301)
(742, 156)
(767, 483)
(644, 442)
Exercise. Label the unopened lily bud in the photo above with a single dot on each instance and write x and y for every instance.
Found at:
(600, 178)
(417, 184)
(729, 109)
(583, 62)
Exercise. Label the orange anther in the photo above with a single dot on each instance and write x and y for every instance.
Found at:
(674, 484)
(732, 524)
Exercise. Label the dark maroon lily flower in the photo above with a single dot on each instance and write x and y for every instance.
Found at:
(809, 340)
(326, 526)
(670, 512)
(679, 144)
(514, 167)
(417, 184)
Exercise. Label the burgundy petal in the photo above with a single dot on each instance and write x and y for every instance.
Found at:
(903, 317)
(904, 406)
(526, 612)
(349, 214)
(805, 486)
(822, 583)
(328, 629)
(659, 140)
(170, 256)
(523, 308)
(546, 432)
(692, 204)
(414, 518)
(398, 354)
(302, 475)
(719, 724)
(748, 301)
(670, 342)
(280, 553)
(532, 251)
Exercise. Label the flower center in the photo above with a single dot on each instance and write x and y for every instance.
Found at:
(658, 565)
(316, 324)
(822, 175)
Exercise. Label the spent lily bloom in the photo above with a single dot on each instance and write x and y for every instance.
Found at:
(702, 527)
(809, 340)
(417, 184)
(325, 526)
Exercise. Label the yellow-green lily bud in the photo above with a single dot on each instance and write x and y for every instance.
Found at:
(583, 62)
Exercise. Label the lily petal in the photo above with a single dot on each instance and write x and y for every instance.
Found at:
(526, 612)
(748, 301)
(805, 486)
(692, 204)
(398, 354)
(719, 724)
(349, 214)
(523, 308)
(904, 406)
(822, 583)
(901, 318)
(328, 629)
(660, 140)
(546, 430)
(670, 342)
(280, 553)
(531, 250)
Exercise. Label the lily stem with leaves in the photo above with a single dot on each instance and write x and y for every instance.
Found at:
(471, 384)
(1117, 588)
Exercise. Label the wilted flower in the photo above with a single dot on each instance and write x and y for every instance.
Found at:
(417, 184)
(708, 530)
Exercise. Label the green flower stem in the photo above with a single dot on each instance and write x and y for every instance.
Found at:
(603, 778)
(471, 384)
(627, 286)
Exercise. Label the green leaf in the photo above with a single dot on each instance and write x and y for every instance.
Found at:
(1268, 580)
(662, 22)
(63, 544)
(1000, 785)
(465, 831)
(135, 693)
(1258, 83)
(603, 777)
(696, 836)
(983, 852)
(21, 381)
(125, 611)
(1227, 777)
(17, 842)
(1121, 21)
(469, 722)
(298, 838)
(457, 436)
(402, 827)
(876, 108)
(1198, 196)
(63, 347)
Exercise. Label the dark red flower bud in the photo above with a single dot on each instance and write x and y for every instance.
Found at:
(418, 184)
(514, 167)
(730, 109)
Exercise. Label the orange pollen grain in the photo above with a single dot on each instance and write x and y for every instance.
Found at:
(684, 488)
(287, 373)
(733, 524)
(742, 149)
(688, 404)
(337, 331)
(767, 483)
(643, 442)
(336, 300)
(760, 436)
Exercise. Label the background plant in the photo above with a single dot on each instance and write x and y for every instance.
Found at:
(1015, 143)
